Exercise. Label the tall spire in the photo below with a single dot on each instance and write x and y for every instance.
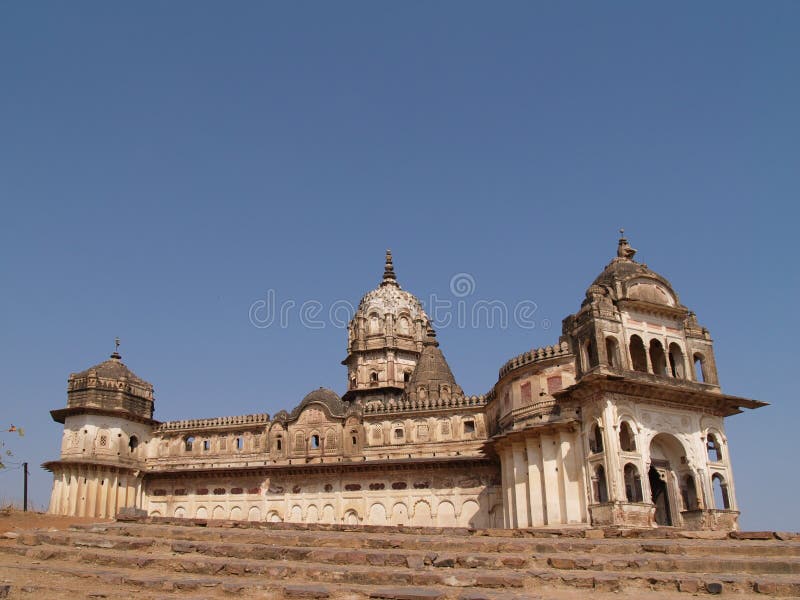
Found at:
(389, 278)
(624, 249)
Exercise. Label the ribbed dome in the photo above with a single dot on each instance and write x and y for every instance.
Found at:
(389, 297)
(111, 386)
(324, 396)
(321, 395)
(625, 278)
(113, 368)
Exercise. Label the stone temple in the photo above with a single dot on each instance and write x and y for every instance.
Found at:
(621, 422)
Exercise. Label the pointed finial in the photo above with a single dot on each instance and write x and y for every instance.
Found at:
(430, 337)
(116, 354)
(389, 278)
(624, 249)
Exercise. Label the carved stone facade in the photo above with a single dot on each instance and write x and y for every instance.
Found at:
(619, 423)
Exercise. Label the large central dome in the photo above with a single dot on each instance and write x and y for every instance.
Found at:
(385, 338)
(390, 298)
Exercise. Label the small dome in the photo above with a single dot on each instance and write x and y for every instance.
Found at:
(111, 386)
(327, 397)
(323, 395)
(626, 279)
(113, 368)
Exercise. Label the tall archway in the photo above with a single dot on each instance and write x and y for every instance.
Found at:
(667, 469)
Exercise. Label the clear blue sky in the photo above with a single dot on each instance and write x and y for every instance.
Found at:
(164, 165)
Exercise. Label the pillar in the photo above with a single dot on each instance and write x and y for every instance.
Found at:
(538, 513)
(550, 459)
(521, 485)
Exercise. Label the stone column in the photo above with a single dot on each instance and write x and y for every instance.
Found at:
(572, 476)
(91, 493)
(111, 494)
(536, 491)
(74, 476)
(81, 493)
(552, 485)
(507, 468)
(520, 483)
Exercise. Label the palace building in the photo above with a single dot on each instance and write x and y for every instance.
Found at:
(621, 422)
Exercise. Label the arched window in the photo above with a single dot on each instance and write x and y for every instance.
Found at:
(399, 433)
(374, 324)
(699, 367)
(596, 439)
(133, 443)
(589, 355)
(633, 483)
(676, 365)
(373, 377)
(638, 354)
(721, 499)
(689, 493)
(714, 448)
(657, 358)
(189, 443)
(600, 485)
(353, 383)
(315, 441)
(279, 444)
(612, 353)
(406, 377)
(627, 441)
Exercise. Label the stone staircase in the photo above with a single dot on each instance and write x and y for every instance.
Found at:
(159, 557)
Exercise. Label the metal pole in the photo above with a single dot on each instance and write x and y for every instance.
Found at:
(25, 487)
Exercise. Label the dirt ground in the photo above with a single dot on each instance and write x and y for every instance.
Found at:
(16, 520)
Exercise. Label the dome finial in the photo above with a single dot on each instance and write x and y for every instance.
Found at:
(115, 355)
(624, 249)
(430, 337)
(389, 278)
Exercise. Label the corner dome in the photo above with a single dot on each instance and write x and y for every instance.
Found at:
(113, 368)
(626, 279)
(112, 386)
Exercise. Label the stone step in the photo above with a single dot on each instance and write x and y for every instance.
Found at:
(278, 568)
(595, 561)
(400, 540)
(112, 581)
(613, 562)
(152, 573)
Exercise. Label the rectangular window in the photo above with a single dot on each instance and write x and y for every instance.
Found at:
(469, 427)
(525, 392)
(554, 384)
(206, 445)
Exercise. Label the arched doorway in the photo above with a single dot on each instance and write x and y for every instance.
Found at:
(667, 466)
(660, 496)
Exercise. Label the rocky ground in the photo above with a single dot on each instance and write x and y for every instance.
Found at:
(59, 557)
